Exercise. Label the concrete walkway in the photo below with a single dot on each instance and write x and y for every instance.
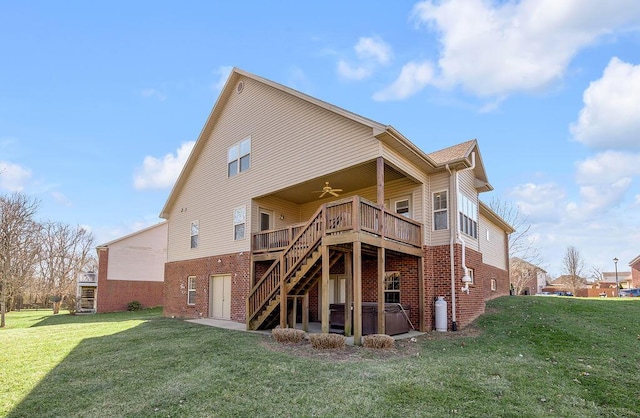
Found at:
(314, 327)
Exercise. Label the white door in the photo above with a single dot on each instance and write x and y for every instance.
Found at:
(220, 297)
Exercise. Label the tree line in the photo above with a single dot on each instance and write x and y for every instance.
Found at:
(39, 260)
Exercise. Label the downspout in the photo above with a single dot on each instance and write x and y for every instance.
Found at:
(452, 184)
(455, 238)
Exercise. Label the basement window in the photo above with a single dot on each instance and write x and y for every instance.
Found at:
(494, 285)
(191, 290)
(392, 287)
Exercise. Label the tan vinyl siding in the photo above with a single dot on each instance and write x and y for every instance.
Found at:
(140, 256)
(439, 182)
(292, 141)
(290, 211)
(393, 190)
(492, 249)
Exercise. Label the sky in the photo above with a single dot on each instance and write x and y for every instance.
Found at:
(101, 102)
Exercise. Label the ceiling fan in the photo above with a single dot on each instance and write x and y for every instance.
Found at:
(327, 190)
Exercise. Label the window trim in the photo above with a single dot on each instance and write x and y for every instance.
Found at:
(240, 218)
(468, 215)
(407, 199)
(235, 157)
(472, 273)
(391, 277)
(494, 285)
(194, 244)
(440, 210)
(191, 290)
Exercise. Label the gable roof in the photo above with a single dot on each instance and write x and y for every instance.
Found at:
(456, 157)
(133, 234)
(634, 261)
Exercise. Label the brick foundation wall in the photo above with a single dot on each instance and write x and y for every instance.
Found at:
(176, 276)
(115, 295)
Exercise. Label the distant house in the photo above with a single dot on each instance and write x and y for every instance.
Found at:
(635, 272)
(567, 283)
(290, 204)
(131, 268)
(526, 278)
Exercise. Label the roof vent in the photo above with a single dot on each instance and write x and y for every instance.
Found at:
(240, 87)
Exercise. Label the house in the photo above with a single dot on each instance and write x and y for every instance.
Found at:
(288, 204)
(526, 278)
(635, 272)
(131, 268)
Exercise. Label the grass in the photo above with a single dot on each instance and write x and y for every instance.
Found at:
(528, 356)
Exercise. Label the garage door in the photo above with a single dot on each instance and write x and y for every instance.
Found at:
(220, 297)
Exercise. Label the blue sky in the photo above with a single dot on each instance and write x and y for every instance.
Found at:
(100, 102)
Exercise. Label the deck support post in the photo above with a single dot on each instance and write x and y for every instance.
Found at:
(325, 289)
(380, 181)
(381, 274)
(283, 296)
(421, 297)
(348, 290)
(357, 293)
(305, 312)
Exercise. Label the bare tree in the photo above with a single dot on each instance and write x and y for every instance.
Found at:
(65, 251)
(573, 266)
(524, 255)
(18, 245)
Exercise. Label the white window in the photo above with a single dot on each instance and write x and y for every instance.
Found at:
(195, 232)
(191, 290)
(239, 157)
(440, 213)
(239, 222)
(392, 287)
(468, 211)
(472, 274)
(494, 285)
(403, 207)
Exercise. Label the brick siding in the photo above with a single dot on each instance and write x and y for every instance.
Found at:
(176, 276)
(115, 295)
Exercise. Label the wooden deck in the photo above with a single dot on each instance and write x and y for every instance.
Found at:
(296, 252)
(341, 220)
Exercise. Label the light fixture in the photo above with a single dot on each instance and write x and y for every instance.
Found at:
(281, 217)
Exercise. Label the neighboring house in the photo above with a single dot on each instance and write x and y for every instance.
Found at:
(635, 272)
(567, 283)
(288, 204)
(131, 268)
(526, 278)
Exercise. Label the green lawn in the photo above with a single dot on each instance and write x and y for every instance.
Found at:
(528, 356)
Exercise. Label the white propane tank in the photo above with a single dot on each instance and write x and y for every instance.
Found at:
(441, 314)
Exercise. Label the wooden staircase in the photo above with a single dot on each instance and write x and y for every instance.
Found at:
(296, 270)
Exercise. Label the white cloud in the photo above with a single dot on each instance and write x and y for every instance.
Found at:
(223, 73)
(496, 48)
(353, 72)
(61, 199)
(13, 177)
(153, 93)
(609, 117)
(604, 181)
(413, 78)
(159, 173)
(373, 48)
(539, 202)
(371, 52)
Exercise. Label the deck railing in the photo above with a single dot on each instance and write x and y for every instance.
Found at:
(341, 216)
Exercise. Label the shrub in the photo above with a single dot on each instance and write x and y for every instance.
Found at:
(134, 305)
(71, 304)
(288, 335)
(382, 341)
(326, 341)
